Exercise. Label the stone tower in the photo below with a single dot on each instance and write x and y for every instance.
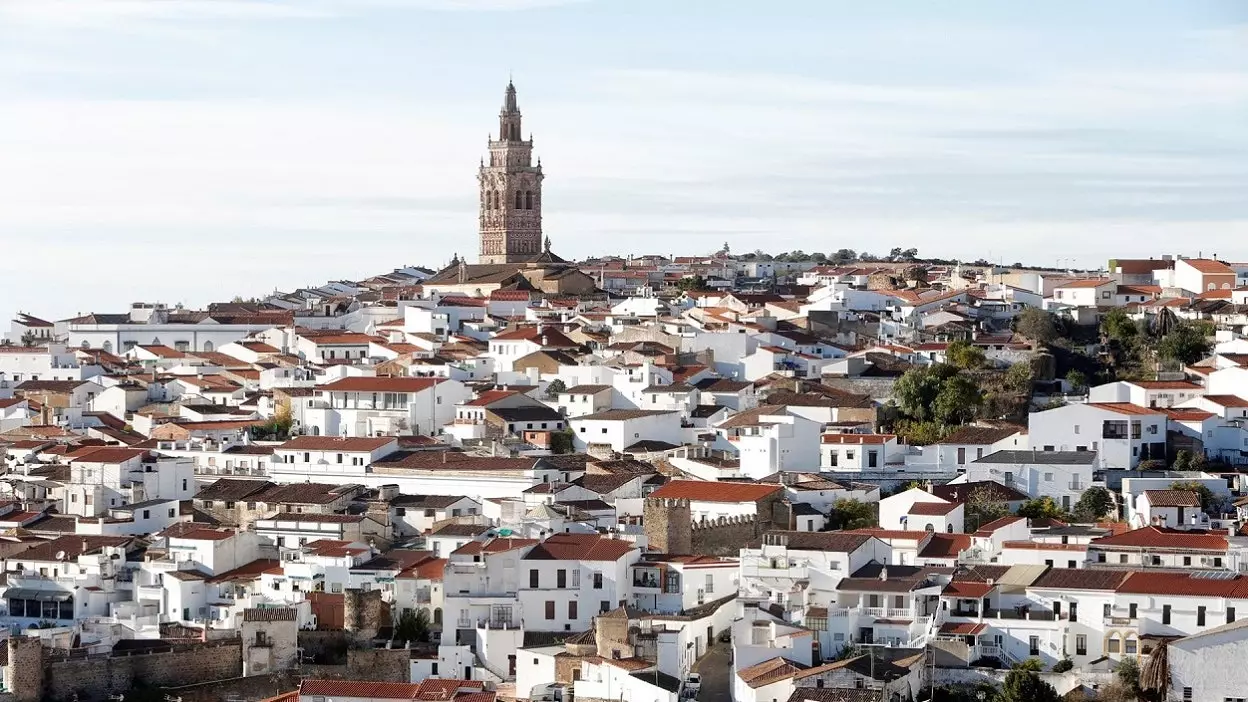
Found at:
(511, 193)
(23, 675)
(668, 525)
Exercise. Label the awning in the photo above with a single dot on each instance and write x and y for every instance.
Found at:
(22, 593)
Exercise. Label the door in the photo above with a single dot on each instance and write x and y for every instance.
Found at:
(866, 635)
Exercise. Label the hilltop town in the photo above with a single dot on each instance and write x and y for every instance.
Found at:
(755, 476)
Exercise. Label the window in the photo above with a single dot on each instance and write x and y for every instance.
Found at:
(1081, 644)
(533, 578)
(849, 455)
(604, 606)
(1048, 477)
(550, 609)
(710, 583)
(597, 581)
(1033, 645)
(1107, 609)
(1187, 694)
(576, 578)
(1200, 616)
(572, 609)
(1230, 615)
(1113, 644)
(1165, 614)
(961, 456)
(872, 459)
(147, 514)
(1132, 610)
(1132, 645)
(561, 578)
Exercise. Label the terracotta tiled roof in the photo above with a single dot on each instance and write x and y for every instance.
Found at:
(1158, 537)
(1124, 408)
(769, 671)
(1209, 266)
(384, 384)
(716, 491)
(580, 547)
(980, 435)
(946, 546)
(336, 443)
(1227, 400)
(1172, 498)
(353, 688)
(932, 509)
(990, 527)
(1191, 584)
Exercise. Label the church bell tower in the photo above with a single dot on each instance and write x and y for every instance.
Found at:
(511, 193)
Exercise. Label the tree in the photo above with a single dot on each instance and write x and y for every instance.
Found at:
(1037, 325)
(962, 354)
(982, 506)
(1118, 326)
(958, 401)
(1023, 684)
(844, 256)
(915, 392)
(915, 273)
(28, 339)
(1040, 508)
(1209, 502)
(918, 433)
(1128, 674)
(1020, 377)
(693, 282)
(852, 514)
(894, 254)
(1077, 381)
(1093, 504)
(413, 625)
(555, 387)
(1186, 343)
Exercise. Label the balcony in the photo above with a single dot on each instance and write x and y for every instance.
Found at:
(500, 623)
(889, 612)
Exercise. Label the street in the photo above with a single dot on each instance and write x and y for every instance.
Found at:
(716, 670)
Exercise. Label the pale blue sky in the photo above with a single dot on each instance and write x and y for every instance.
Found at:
(190, 150)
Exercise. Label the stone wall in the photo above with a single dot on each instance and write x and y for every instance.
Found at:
(380, 664)
(723, 536)
(97, 677)
(364, 613)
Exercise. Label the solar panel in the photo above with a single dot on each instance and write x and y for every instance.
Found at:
(1214, 575)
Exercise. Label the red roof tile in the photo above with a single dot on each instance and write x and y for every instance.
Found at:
(384, 384)
(713, 491)
(1157, 537)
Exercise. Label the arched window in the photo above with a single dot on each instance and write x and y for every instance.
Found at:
(208, 346)
(494, 202)
(437, 616)
(108, 346)
(1213, 286)
(929, 528)
(1113, 644)
(949, 528)
(528, 199)
(1226, 286)
(519, 200)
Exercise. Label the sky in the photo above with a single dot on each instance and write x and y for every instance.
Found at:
(193, 150)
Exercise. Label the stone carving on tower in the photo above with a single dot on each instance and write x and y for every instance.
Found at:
(511, 193)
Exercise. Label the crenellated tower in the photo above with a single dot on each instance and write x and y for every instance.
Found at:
(511, 192)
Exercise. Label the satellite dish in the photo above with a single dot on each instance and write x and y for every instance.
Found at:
(60, 555)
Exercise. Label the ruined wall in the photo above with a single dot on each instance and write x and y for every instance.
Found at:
(364, 613)
(97, 677)
(667, 525)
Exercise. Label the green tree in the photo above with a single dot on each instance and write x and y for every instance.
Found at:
(1118, 326)
(1186, 344)
(918, 433)
(958, 401)
(1093, 504)
(413, 625)
(1023, 684)
(1041, 507)
(1037, 325)
(961, 354)
(1077, 381)
(915, 392)
(1209, 502)
(844, 256)
(1020, 377)
(852, 514)
(692, 282)
(555, 387)
(1128, 674)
